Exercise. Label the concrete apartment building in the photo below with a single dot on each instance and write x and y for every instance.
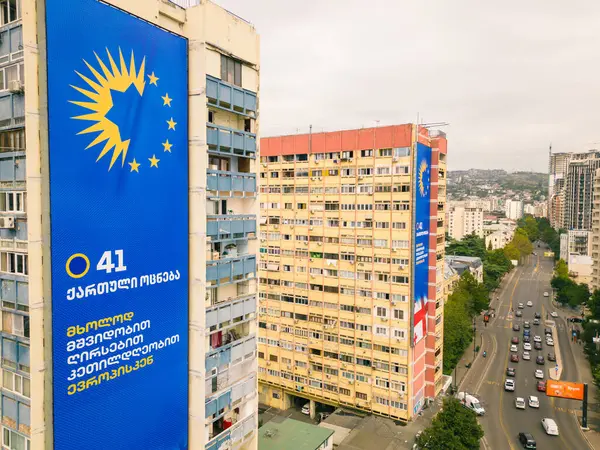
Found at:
(463, 221)
(595, 238)
(215, 373)
(513, 209)
(557, 179)
(578, 190)
(351, 231)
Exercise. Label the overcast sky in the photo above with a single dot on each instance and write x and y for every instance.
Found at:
(508, 76)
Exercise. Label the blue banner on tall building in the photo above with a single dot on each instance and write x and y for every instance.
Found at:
(421, 245)
(117, 93)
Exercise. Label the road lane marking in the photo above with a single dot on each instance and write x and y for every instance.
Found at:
(500, 404)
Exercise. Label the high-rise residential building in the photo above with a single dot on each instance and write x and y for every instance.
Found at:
(557, 178)
(579, 188)
(514, 209)
(352, 269)
(595, 284)
(463, 221)
(128, 217)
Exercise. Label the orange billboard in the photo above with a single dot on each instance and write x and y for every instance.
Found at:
(564, 389)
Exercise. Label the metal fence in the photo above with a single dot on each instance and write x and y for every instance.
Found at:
(185, 3)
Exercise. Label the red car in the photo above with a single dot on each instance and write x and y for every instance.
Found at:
(514, 357)
(541, 386)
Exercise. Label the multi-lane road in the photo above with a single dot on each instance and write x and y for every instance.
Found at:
(503, 422)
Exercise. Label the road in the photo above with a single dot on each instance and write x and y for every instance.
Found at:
(502, 421)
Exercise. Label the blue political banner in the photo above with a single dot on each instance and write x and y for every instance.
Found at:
(118, 157)
(421, 245)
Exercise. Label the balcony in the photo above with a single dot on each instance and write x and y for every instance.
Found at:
(230, 312)
(12, 111)
(221, 227)
(227, 141)
(229, 332)
(230, 98)
(234, 436)
(12, 169)
(223, 356)
(220, 405)
(225, 181)
(217, 380)
(232, 270)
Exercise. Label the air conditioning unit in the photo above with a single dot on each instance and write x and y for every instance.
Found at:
(370, 193)
(395, 158)
(401, 267)
(328, 376)
(264, 164)
(398, 340)
(384, 319)
(292, 226)
(352, 262)
(317, 161)
(319, 244)
(351, 382)
(7, 222)
(276, 226)
(395, 249)
(311, 228)
(350, 159)
(268, 363)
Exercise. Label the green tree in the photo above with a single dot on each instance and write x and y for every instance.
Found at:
(458, 331)
(561, 270)
(531, 228)
(455, 427)
(593, 305)
(521, 242)
(511, 252)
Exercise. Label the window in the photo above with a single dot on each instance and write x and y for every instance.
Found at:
(344, 391)
(398, 314)
(12, 201)
(380, 311)
(231, 71)
(361, 396)
(399, 298)
(400, 243)
(10, 10)
(11, 440)
(399, 334)
(402, 151)
(399, 225)
(381, 331)
(16, 383)
(366, 153)
(385, 152)
(273, 358)
(399, 279)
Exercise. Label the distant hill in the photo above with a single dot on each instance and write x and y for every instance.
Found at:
(481, 183)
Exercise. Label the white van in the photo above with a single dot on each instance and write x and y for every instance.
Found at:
(550, 426)
(470, 402)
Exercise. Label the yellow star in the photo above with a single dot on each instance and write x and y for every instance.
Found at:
(153, 79)
(154, 161)
(171, 124)
(134, 166)
(167, 100)
(167, 146)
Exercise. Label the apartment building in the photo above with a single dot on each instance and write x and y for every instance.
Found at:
(352, 269)
(463, 221)
(193, 200)
(557, 178)
(578, 190)
(595, 238)
(514, 209)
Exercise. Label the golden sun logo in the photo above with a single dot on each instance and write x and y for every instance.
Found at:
(423, 183)
(116, 78)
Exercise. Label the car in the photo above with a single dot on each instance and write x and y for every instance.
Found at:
(539, 374)
(539, 360)
(509, 385)
(519, 314)
(537, 345)
(527, 440)
(554, 314)
(526, 356)
(541, 386)
(551, 356)
(550, 426)
(521, 306)
(516, 327)
(537, 338)
(526, 325)
(537, 315)
(510, 372)
(520, 403)
(536, 321)
(547, 331)
(514, 348)
(515, 340)
(546, 294)
(526, 332)
(533, 401)
(530, 303)
(514, 358)
(526, 338)
(322, 416)
(550, 342)
(306, 409)
(527, 346)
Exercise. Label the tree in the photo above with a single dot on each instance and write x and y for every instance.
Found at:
(531, 228)
(593, 304)
(521, 242)
(455, 427)
(511, 252)
(561, 270)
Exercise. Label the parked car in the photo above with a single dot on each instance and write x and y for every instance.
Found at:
(519, 313)
(306, 409)
(541, 386)
(516, 327)
(526, 356)
(554, 314)
(539, 374)
(530, 303)
(514, 348)
(550, 426)
(536, 321)
(509, 385)
(537, 315)
(514, 358)
(537, 338)
(539, 360)
(527, 441)
(537, 345)
(526, 324)
(470, 402)
(526, 338)
(551, 356)
(520, 403)
(546, 294)
(550, 342)
(527, 346)
(521, 306)
(510, 372)
(526, 332)
(547, 331)
(515, 340)
(533, 401)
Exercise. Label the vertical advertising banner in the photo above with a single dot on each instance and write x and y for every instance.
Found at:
(118, 156)
(421, 245)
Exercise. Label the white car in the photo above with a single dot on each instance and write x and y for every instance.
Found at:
(539, 374)
(526, 356)
(306, 409)
(550, 426)
(521, 306)
(530, 303)
(537, 339)
(527, 346)
(550, 342)
(514, 349)
(533, 401)
(554, 314)
(509, 385)
(546, 294)
(520, 403)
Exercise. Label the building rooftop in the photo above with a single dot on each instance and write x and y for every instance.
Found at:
(291, 435)
(457, 261)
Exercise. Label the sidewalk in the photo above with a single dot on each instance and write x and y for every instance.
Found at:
(585, 375)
